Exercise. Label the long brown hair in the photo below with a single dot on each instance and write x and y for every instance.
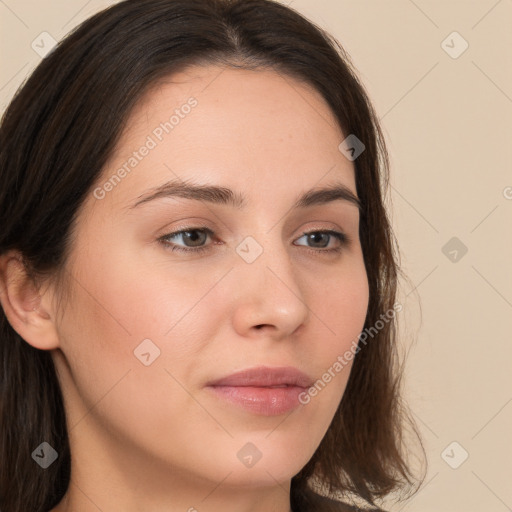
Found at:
(55, 138)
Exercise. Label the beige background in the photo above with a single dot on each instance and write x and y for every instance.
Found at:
(448, 123)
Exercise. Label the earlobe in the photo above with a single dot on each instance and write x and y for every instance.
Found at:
(23, 306)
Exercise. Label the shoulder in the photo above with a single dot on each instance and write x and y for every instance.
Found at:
(318, 503)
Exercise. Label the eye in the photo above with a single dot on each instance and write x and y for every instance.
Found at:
(188, 235)
(324, 237)
(194, 237)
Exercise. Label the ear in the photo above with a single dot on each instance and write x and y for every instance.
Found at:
(28, 312)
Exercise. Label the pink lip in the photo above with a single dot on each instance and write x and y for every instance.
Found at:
(263, 390)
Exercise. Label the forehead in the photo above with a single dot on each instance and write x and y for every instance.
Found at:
(256, 127)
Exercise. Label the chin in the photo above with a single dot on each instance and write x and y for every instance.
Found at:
(260, 462)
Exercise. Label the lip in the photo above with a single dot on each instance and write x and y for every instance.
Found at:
(263, 390)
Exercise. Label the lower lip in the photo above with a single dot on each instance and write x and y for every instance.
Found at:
(260, 400)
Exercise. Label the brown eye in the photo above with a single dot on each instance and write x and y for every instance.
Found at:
(324, 237)
(193, 238)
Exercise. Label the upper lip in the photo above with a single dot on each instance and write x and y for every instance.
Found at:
(264, 376)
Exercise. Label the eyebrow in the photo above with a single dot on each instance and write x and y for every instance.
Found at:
(225, 196)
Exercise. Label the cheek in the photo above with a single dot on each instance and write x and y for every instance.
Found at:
(340, 308)
(342, 304)
(114, 311)
(123, 304)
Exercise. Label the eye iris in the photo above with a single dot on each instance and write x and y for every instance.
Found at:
(193, 236)
(313, 236)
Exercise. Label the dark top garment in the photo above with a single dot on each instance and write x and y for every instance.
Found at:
(313, 502)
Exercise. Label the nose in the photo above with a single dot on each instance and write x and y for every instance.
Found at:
(269, 299)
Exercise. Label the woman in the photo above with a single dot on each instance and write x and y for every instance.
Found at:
(198, 274)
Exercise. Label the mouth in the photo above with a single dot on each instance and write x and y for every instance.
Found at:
(264, 376)
(263, 390)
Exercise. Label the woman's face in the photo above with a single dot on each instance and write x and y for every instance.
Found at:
(148, 328)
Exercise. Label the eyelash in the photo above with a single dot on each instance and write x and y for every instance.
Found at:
(341, 237)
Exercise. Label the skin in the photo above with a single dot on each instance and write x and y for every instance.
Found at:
(153, 437)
